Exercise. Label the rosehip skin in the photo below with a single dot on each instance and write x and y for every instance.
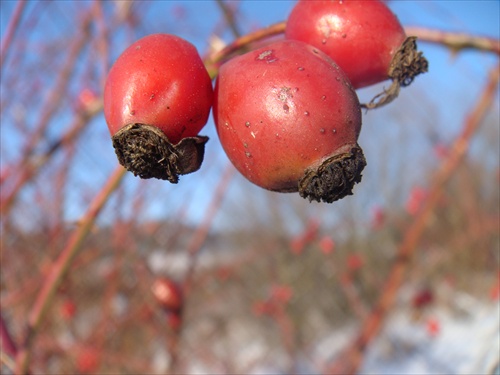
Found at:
(281, 111)
(159, 80)
(157, 98)
(360, 36)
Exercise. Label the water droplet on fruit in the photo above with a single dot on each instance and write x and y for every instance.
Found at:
(323, 41)
(247, 124)
(322, 130)
(323, 97)
(337, 79)
(334, 131)
(306, 113)
(300, 68)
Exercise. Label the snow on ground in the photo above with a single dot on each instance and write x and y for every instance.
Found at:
(442, 343)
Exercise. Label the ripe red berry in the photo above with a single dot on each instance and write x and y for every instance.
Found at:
(157, 98)
(289, 119)
(168, 294)
(363, 37)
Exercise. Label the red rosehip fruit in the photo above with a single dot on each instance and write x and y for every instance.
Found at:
(168, 294)
(289, 119)
(364, 38)
(157, 98)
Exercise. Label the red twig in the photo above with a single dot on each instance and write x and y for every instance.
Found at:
(35, 163)
(7, 343)
(455, 40)
(372, 325)
(11, 30)
(60, 268)
(56, 95)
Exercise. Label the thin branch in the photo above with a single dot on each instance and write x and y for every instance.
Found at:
(60, 268)
(217, 58)
(11, 31)
(7, 343)
(229, 15)
(57, 94)
(35, 163)
(455, 40)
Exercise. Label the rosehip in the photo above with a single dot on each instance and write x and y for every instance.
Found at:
(289, 119)
(157, 98)
(363, 37)
(168, 294)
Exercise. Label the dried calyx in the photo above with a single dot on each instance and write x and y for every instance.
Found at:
(406, 64)
(334, 178)
(146, 151)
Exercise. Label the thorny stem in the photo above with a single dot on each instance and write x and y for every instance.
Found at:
(60, 268)
(373, 323)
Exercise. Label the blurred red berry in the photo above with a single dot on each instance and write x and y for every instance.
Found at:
(378, 218)
(297, 245)
(354, 262)
(281, 293)
(68, 309)
(327, 245)
(433, 327)
(168, 294)
(495, 291)
(422, 298)
(88, 360)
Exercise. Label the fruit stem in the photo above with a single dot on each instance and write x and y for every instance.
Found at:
(406, 64)
(217, 58)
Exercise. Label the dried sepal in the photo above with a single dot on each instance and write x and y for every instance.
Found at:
(146, 151)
